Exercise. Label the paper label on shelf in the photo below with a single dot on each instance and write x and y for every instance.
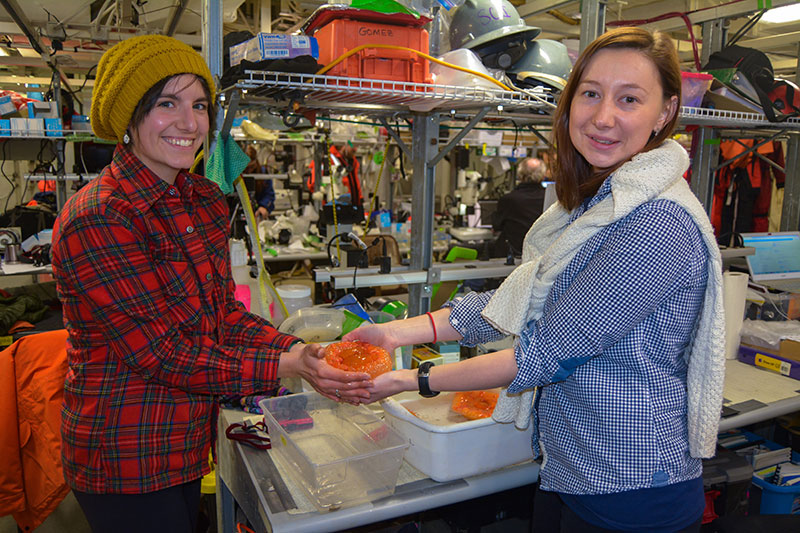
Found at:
(490, 138)
(770, 363)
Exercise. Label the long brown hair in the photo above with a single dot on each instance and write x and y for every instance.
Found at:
(575, 178)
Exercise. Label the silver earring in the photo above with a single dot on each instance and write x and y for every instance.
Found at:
(126, 139)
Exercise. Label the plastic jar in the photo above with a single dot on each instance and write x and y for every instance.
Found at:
(295, 297)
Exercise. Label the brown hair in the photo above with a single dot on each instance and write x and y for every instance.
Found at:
(150, 98)
(575, 179)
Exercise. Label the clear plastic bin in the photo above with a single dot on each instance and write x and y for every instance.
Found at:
(339, 454)
(693, 86)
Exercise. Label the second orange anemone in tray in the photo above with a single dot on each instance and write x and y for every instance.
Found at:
(475, 404)
(358, 356)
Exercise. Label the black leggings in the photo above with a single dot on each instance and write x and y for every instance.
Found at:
(551, 515)
(172, 510)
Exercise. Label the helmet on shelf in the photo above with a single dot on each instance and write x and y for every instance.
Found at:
(545, 62)
(493, 29)
(785, 97)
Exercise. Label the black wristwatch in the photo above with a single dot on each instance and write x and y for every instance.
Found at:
(423, 372)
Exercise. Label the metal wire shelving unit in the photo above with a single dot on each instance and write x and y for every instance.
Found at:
(720, 118)
(367, 95)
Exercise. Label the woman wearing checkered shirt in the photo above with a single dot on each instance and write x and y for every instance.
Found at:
(140, 257)
(616, 310)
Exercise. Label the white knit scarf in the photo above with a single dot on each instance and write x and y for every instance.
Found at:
(552, 243)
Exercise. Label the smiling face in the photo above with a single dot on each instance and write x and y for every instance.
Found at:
(618, 103)
(171, 133)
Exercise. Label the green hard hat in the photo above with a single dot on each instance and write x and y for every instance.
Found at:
(545, 61)
(479, 22)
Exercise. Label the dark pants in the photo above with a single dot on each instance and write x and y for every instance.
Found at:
(172, 510)
(550, 515)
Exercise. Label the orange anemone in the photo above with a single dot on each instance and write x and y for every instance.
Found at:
(358, 356)
(475, 404)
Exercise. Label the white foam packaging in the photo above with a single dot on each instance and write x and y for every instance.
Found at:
(445, 447)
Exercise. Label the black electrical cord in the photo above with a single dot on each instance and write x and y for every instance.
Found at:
(2, 170)
(746, 27)
(402, 167)
(88, 72)
(333, 260)
(516, 137)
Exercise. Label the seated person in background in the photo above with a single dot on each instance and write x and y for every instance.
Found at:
(265, 192)
(265, 196)
(517, 210)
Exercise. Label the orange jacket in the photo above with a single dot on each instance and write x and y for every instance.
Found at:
(32, 372)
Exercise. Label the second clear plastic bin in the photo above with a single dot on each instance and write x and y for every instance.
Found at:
(339, 454)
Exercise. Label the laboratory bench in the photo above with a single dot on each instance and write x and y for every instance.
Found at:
(752, 395)
(249, 479)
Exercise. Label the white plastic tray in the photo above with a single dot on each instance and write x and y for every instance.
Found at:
(447, 446)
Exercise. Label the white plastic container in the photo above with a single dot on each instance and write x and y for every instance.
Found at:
(295, 297)
(447, 446)
(315, 324)
(246, 290)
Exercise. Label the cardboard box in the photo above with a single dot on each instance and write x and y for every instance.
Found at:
(767, 360)
(42, 110)
(81, 123)
(5, 127)
(35, 126)
(789, 349)
(7, 107)
(19, 126)
(274, 46)
(53, 127)
(728, 100)
(424, 353)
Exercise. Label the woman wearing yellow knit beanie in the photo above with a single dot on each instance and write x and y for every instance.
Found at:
(140, 257)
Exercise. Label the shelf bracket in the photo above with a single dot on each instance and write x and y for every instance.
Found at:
(457, 139)
(434, 276)
(396, 136)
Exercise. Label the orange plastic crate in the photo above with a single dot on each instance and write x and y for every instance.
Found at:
(342, 35)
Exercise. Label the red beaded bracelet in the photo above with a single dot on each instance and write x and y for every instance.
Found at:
(433, 325)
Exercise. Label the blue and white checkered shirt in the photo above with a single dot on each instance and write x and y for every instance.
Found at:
(608, 354)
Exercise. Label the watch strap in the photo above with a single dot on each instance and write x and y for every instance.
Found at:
(423, 372)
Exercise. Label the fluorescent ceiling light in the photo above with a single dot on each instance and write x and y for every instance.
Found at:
(788, 13)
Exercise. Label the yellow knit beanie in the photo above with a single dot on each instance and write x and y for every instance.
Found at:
(129, 69)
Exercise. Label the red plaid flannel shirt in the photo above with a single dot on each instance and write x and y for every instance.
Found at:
(143, 273)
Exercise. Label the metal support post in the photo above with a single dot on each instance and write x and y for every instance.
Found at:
(61, 183)
(593, 21)
(790, 214)
(212, 35)
(424, 134)
(211, 29)
(714, 37)
(703, 165)
(265, 14)
(708, 139)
